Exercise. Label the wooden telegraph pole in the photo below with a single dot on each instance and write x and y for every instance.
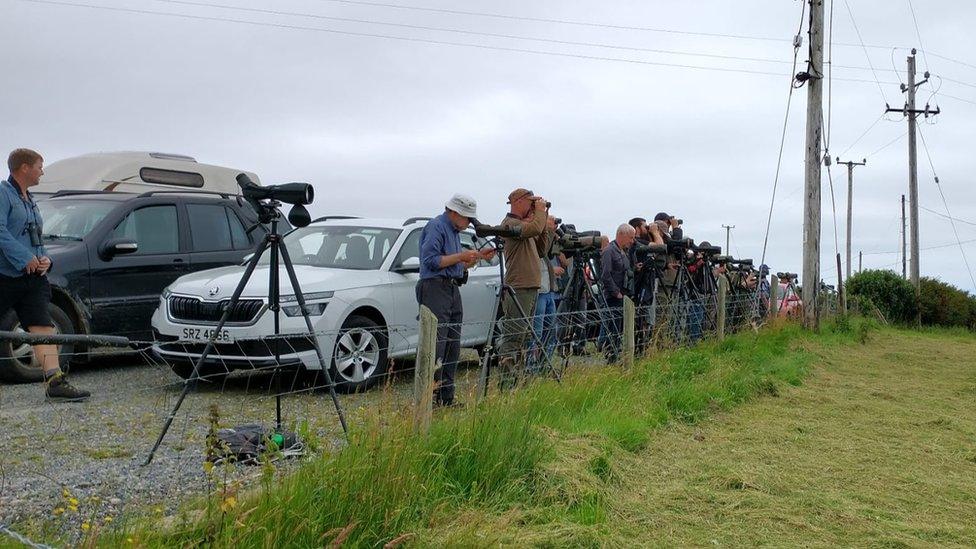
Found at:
(811, 203)
(912, 113)
(904, 257)
(850, 204)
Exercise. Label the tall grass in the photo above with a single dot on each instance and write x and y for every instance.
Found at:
(391, 484)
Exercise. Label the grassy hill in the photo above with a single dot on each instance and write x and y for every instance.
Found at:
(851, 436)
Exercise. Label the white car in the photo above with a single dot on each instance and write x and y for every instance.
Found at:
(358, 278)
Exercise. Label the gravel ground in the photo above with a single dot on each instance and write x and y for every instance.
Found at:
(97, 448)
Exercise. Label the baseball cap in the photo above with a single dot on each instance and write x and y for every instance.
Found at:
(662, 217)
(518, 194)
(463, 205)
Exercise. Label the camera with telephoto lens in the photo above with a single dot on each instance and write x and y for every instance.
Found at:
(570, 241)
(265, 199)
(655, 255)
(741, 266)
(708, 251)
(784, 277)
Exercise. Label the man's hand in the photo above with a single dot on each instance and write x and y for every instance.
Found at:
(469, 256)
(620, 295)
(639, 266)
(558, 271)
(551, 223)
(539, 204)
(33, 265)
(45, 264)
(488, 253)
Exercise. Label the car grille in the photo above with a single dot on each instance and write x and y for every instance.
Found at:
(192, 309)
(247, 348)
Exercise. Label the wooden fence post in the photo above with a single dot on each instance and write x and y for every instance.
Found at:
(723, 290)
(773, 296)
(423, 374)
(629, 333)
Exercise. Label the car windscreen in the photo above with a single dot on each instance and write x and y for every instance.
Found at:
(357, 248)
(72, 219)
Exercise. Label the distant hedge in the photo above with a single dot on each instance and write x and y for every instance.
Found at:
(885, 290)
(945, 305)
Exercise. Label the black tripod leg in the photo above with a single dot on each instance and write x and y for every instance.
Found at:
(490, 345)
(195, 375)
(300, 298)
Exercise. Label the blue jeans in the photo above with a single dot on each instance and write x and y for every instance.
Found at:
(544, 325)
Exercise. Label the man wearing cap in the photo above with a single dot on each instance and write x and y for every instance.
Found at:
(442, 266)
(527, 217)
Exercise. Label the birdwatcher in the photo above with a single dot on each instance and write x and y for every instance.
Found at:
(24, 266)
(528, 215)
(443, 265)
(617, 278)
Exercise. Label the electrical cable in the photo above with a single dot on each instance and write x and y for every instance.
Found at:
(890, 143)
(945, 203)
(940, 214)
(921, 46)
(866, 56)
(782, 141)
(858, 140)
(469, 32)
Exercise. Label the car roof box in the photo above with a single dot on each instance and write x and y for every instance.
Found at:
(138, 172)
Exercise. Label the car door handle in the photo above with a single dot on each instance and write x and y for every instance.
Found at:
(178, 260)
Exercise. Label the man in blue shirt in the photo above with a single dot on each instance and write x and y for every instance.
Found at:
(442, 266)
(24, 266)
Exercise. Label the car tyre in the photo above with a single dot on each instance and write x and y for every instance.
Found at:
(17, 362)
(359, 358)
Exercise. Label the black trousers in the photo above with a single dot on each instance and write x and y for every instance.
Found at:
(443, 297)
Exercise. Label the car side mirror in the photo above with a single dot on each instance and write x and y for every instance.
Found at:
(409, 265)
(117, 246)
(247, 258)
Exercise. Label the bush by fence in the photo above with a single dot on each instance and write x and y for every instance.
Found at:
(943, 304)
(886, 291)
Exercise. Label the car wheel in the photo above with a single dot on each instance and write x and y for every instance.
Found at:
(359, 357)
(209, 373)
(17, 362)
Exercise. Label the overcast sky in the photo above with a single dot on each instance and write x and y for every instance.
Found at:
(389, 127)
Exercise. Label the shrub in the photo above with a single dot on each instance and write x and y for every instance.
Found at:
(945, 305)
(890, 293)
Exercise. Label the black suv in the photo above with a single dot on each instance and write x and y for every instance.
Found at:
(113, 253)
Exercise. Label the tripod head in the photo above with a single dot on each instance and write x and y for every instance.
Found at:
(267, 200)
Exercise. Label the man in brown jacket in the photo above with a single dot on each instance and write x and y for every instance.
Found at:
(527, 216)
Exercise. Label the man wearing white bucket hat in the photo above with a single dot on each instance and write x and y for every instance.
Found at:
(442, 265)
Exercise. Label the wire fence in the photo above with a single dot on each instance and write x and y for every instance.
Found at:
(75, 467)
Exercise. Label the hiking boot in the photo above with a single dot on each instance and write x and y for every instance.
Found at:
(59, 390)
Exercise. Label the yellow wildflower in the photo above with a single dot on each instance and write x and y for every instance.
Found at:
(58, 510)
(85, 526)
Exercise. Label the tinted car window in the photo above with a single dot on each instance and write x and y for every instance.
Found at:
(73, 218)
(213, 228)
(154, 228)
(410, 248)
(357, 248)
(238, 233)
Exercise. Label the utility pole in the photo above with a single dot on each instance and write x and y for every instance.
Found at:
(912, 113)
(904, 258)
(850, 204)
(727, 228)
(860, 260)
(811, 202)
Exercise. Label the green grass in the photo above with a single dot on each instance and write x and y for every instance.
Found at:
(545, 460)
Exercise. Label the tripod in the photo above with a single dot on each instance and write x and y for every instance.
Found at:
(269, 212)
(577, 294)
(503, 290)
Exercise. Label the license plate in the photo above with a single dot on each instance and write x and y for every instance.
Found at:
(204, 334)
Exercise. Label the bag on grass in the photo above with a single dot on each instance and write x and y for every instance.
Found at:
(247, 443)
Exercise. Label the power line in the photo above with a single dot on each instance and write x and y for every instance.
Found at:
(919, 35)
(945, 203)
(782, 139)
(187, 16)
(925, 249)
(866, 56)
(940, 214)
(858, 140)
(471, 32)
(890, 143)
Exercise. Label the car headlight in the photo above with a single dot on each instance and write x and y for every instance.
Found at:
(314, 309)
(308, 297)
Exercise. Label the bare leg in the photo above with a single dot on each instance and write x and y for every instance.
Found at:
(46, 355)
